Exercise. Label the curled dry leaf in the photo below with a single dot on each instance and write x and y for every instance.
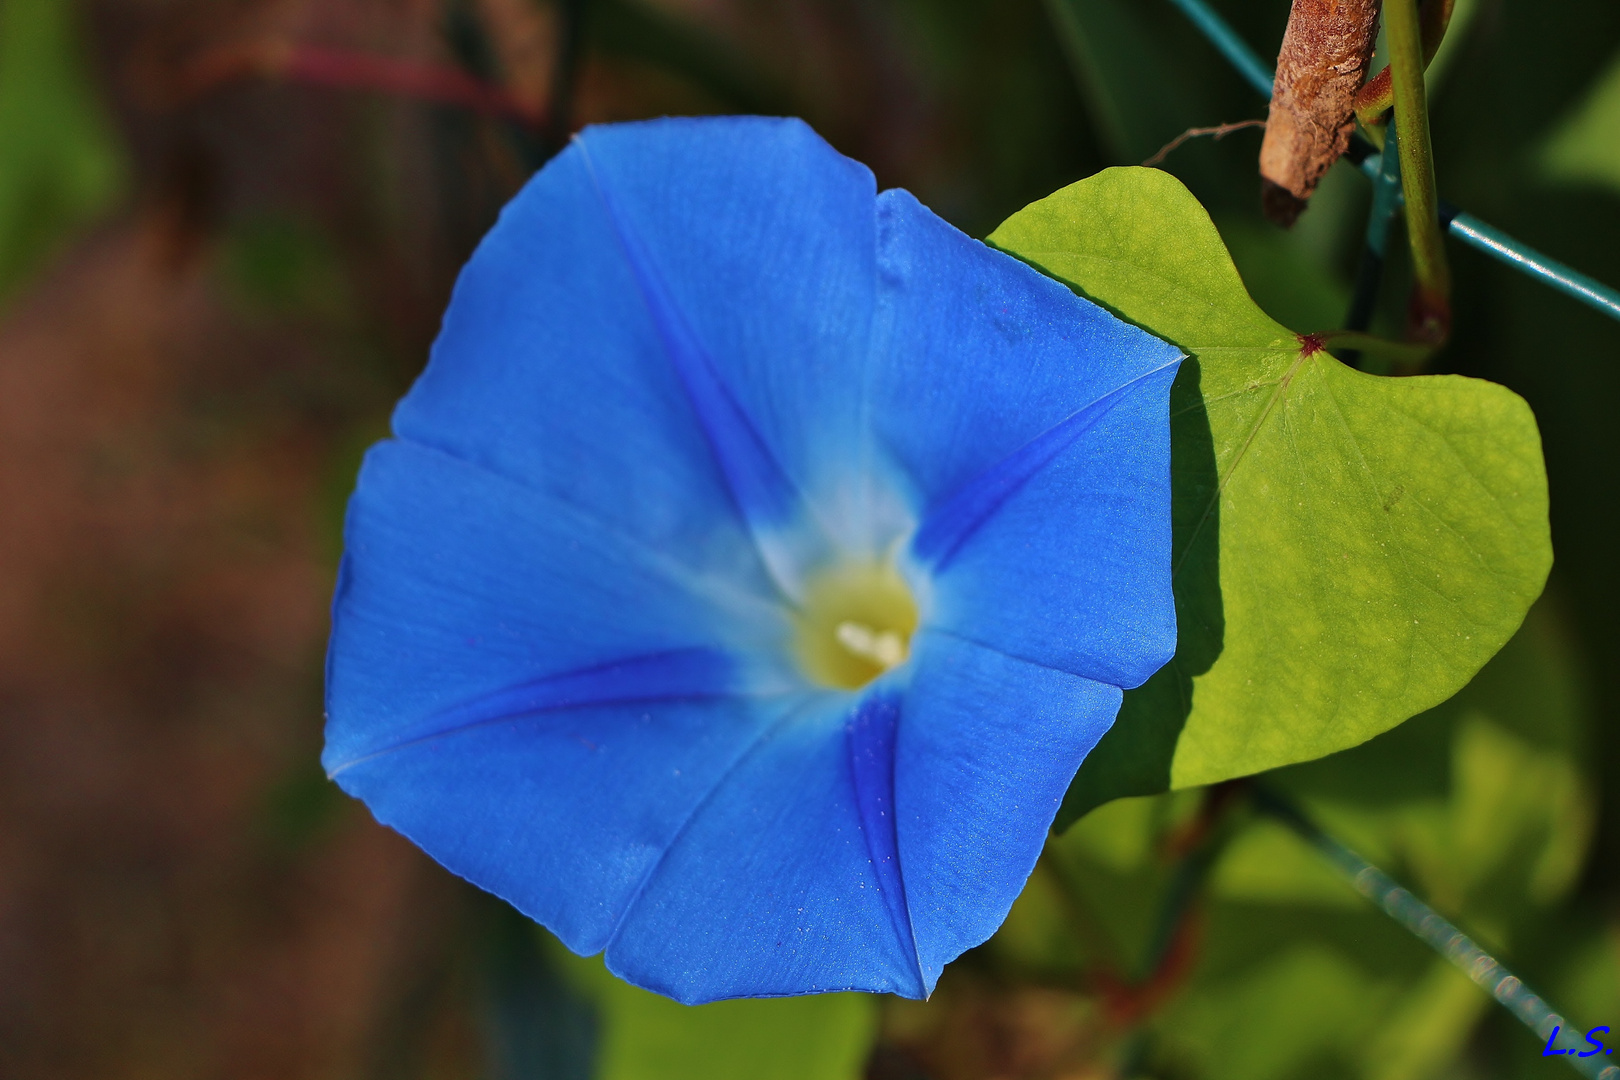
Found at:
(1324, 58)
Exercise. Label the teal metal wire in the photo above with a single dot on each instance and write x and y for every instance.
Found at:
(1386, 203)
(1234, 48)
(1464, 226)
(1483, 969)
(1493, 241)
(1387, 200)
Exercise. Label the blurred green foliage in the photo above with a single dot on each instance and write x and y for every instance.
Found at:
(284, 268)
(1585, 146)
(648, 1037)
(1110, 43)
(59, 163)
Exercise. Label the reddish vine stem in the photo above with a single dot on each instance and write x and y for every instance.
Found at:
(321, 66)
(1172, 950)
(1407, 357)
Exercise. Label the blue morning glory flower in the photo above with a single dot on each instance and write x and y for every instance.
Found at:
(752, 568)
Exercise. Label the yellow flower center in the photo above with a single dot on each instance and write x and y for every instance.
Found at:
(855, 623)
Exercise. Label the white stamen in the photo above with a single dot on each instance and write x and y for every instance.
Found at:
(885, 648)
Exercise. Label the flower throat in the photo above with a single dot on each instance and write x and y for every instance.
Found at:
(855, 623)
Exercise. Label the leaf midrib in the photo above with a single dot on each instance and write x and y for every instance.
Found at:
(1277, 394)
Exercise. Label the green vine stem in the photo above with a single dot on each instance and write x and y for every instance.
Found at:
(1484, 970)
(1429, 318)
(1378, 96)
(1403, 356)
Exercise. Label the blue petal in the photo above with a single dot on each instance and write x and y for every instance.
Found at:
(986, 747)
(535, 700)
(772, 887)
(563, 813)
(871, 732)
(693, 359)
(1073, 568)
(551, 371)
(755, 245)
(1034, 427)
(676, 675)
(464, 594)
(767, 497)
(954, 521)
(866, 851)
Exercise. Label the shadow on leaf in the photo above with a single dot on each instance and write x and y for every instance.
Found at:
(1134, 757)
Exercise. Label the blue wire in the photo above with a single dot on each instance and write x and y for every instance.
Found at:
(1493, 241)
(1387, 199)
(1427, 924)
(1234, 48)
(1465, 227)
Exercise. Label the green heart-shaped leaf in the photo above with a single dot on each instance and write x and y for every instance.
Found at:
(1349, 549)
(648, 1037)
